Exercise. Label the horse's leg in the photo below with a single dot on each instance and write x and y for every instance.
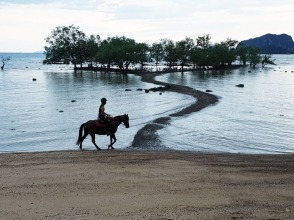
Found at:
(83, 138)
(93, 141)
(112, 137)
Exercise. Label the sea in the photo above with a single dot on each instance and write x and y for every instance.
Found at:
(43, 106)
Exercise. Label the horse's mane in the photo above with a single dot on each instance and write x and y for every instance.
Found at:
(119, 116)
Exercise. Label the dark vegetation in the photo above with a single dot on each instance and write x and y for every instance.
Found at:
(68, 44)
(4, 60)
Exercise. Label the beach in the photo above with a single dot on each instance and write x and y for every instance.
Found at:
(123, 184)
(146, 180)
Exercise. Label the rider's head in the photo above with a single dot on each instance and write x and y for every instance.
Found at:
(103, 100)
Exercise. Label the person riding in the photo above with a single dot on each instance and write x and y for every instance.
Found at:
(102, 115)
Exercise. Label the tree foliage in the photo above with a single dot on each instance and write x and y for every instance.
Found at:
(169, 52)
(183, 50)
(120, 51)
(267, 59)
(157, 53)
(4, 60)
(68, 44)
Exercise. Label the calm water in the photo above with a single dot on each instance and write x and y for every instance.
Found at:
(40, 115)
(30, 110)
(258, 118)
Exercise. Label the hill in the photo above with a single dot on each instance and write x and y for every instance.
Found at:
(272, 44)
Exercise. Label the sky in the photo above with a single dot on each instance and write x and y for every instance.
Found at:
(26, 23)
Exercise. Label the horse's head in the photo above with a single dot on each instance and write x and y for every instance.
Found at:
(125, 120)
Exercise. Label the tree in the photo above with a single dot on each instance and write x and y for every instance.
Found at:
(92, 46)
(104, 53)
(4, 60)
(224, 53)
(230, 51)
(253, 56)
(169, 52)
(66, 44)
(183, 50)
(156, 52)
(201, 54)
(120, 51)
(142, 50)
(267, 59)
(242, 53)
(203, 42)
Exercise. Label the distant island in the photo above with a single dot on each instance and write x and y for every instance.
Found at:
(272, 44)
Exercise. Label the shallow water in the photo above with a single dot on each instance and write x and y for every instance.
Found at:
(40, 115)
(255, 119)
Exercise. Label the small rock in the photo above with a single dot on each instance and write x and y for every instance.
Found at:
(208, 90)
(240, 85)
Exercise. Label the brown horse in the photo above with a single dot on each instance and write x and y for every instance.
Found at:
(90, 127)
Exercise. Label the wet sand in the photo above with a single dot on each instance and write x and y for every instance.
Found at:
(146, 185)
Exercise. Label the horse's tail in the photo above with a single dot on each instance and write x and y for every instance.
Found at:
(80, 134)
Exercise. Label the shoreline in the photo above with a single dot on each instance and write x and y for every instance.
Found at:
(123, 184)
(147, 136)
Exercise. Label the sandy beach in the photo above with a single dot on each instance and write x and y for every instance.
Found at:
(146, 185)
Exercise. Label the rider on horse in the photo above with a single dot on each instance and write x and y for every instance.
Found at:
(102, 115)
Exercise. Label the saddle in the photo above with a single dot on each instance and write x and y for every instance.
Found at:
(100, 123)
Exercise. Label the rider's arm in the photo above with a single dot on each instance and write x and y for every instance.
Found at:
(103, 112)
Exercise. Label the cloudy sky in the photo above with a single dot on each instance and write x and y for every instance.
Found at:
(25, 23)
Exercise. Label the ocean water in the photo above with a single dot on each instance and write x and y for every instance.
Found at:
(40, 115)
(258, 118)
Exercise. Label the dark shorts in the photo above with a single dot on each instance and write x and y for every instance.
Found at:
(105, 120)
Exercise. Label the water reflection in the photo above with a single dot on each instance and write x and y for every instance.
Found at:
(246, 120)
(109, 77)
